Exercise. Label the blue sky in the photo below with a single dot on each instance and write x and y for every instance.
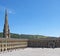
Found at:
(40, 17)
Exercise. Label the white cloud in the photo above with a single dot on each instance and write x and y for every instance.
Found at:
(11, 11)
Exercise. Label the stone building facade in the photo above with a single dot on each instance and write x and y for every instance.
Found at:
(44, 42)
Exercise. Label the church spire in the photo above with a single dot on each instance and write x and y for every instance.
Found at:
(6, 31)
(6, 17)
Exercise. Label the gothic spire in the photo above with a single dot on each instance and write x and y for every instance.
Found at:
(6, 31)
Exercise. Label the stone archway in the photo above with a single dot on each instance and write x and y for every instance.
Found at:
(51, 44)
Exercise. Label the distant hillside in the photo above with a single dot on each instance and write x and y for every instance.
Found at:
(24, 36)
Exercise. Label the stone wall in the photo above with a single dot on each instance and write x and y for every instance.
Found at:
(44, 43)
(11, 43)
(8, 44)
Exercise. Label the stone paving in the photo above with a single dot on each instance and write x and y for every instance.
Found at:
(32, 52)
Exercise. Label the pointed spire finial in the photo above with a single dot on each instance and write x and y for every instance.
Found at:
(6, 12)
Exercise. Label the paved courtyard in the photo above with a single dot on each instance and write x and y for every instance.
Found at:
(32, 52)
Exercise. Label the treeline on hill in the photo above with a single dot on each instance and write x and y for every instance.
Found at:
(24, 36)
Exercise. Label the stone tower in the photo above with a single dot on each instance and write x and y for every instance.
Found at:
(6, 31)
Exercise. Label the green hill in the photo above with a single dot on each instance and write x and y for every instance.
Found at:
(25, 36)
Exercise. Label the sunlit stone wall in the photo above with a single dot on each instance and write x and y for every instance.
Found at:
(10, 43)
